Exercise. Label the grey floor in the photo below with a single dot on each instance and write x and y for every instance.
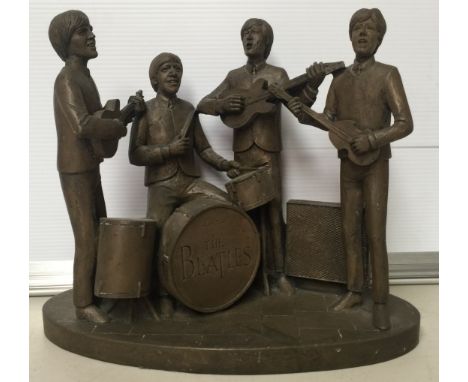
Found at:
(49, 363)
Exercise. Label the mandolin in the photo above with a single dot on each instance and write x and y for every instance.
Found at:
(341, 133)
(258, 100)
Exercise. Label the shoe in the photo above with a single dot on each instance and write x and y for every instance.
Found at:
(167, 307)
(349, 300)
(381, 318)
(285, 285)
(92, 313)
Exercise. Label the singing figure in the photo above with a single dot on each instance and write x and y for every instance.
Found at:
(259, 142)
(76, 102)
(369, 93)
(164, 140)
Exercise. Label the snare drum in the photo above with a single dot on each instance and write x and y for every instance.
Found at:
(125, 256)
(252, 189)
(209, 254)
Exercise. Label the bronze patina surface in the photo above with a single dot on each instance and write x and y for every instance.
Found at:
(361, 103)
(198, 249)
(259, 141)
(209, 254)
(315, 247)
(252, 189)
(259, 335)
(125, 257)
(81, 122)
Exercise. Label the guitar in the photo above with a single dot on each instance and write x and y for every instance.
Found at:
(108, 147)
(258, 100)
(341, 133)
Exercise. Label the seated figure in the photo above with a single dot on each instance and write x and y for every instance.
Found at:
(164, 139)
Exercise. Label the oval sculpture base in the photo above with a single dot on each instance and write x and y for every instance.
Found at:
(258, 335)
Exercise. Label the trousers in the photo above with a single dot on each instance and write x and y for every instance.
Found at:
(365, 188)
(85, 204)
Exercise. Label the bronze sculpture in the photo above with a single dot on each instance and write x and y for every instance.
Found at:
(208, 248)
(164, 139)
(76, 100)
(259, 142)
(368, 93)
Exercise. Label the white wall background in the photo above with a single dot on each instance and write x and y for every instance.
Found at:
(205, 34)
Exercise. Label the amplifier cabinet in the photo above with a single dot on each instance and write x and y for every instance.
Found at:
(314, 243)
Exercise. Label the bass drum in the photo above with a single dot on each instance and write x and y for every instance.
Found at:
(209, 254)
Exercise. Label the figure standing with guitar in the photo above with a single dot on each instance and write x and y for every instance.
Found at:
(79, 128)
(368, 93)
(257, 138)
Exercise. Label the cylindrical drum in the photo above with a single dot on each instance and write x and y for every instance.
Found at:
(209, 254)
(125, 256)
(252, 189)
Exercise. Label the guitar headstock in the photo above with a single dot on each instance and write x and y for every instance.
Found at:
(334, 67)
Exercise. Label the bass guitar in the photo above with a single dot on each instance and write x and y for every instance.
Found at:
(341, 133)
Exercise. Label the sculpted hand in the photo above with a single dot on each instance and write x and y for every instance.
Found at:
(316, 74)
(277, 91)
(120, 129)
(361, 144)
(127, 113)
(139, 102)
(227, 165)
(295, 105)
(179, 147)
(234, 103)
(233, 173)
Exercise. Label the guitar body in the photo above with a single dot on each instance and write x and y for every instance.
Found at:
(251, 109)
(258, 100)
(107, 148)
(341, 144)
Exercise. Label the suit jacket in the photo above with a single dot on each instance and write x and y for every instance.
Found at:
(370, 93)
(156, 129)
(76, 99)
(264, 130)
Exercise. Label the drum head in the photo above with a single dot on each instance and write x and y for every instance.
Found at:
(214, 259)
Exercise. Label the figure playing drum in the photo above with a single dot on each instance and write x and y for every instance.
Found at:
(164, 140)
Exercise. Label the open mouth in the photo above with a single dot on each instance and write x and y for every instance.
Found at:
(92, 44)
(249, 45)
(173, 82)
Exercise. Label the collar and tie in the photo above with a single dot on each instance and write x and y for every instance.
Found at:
(169, 105)
(359, 67)
(255, 68)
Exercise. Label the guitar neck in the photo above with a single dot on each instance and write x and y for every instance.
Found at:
(127, 111)
(320, 119)
(301, 80)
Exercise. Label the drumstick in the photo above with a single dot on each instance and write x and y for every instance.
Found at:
(252, 168)
(187, 124)
(247, 168)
